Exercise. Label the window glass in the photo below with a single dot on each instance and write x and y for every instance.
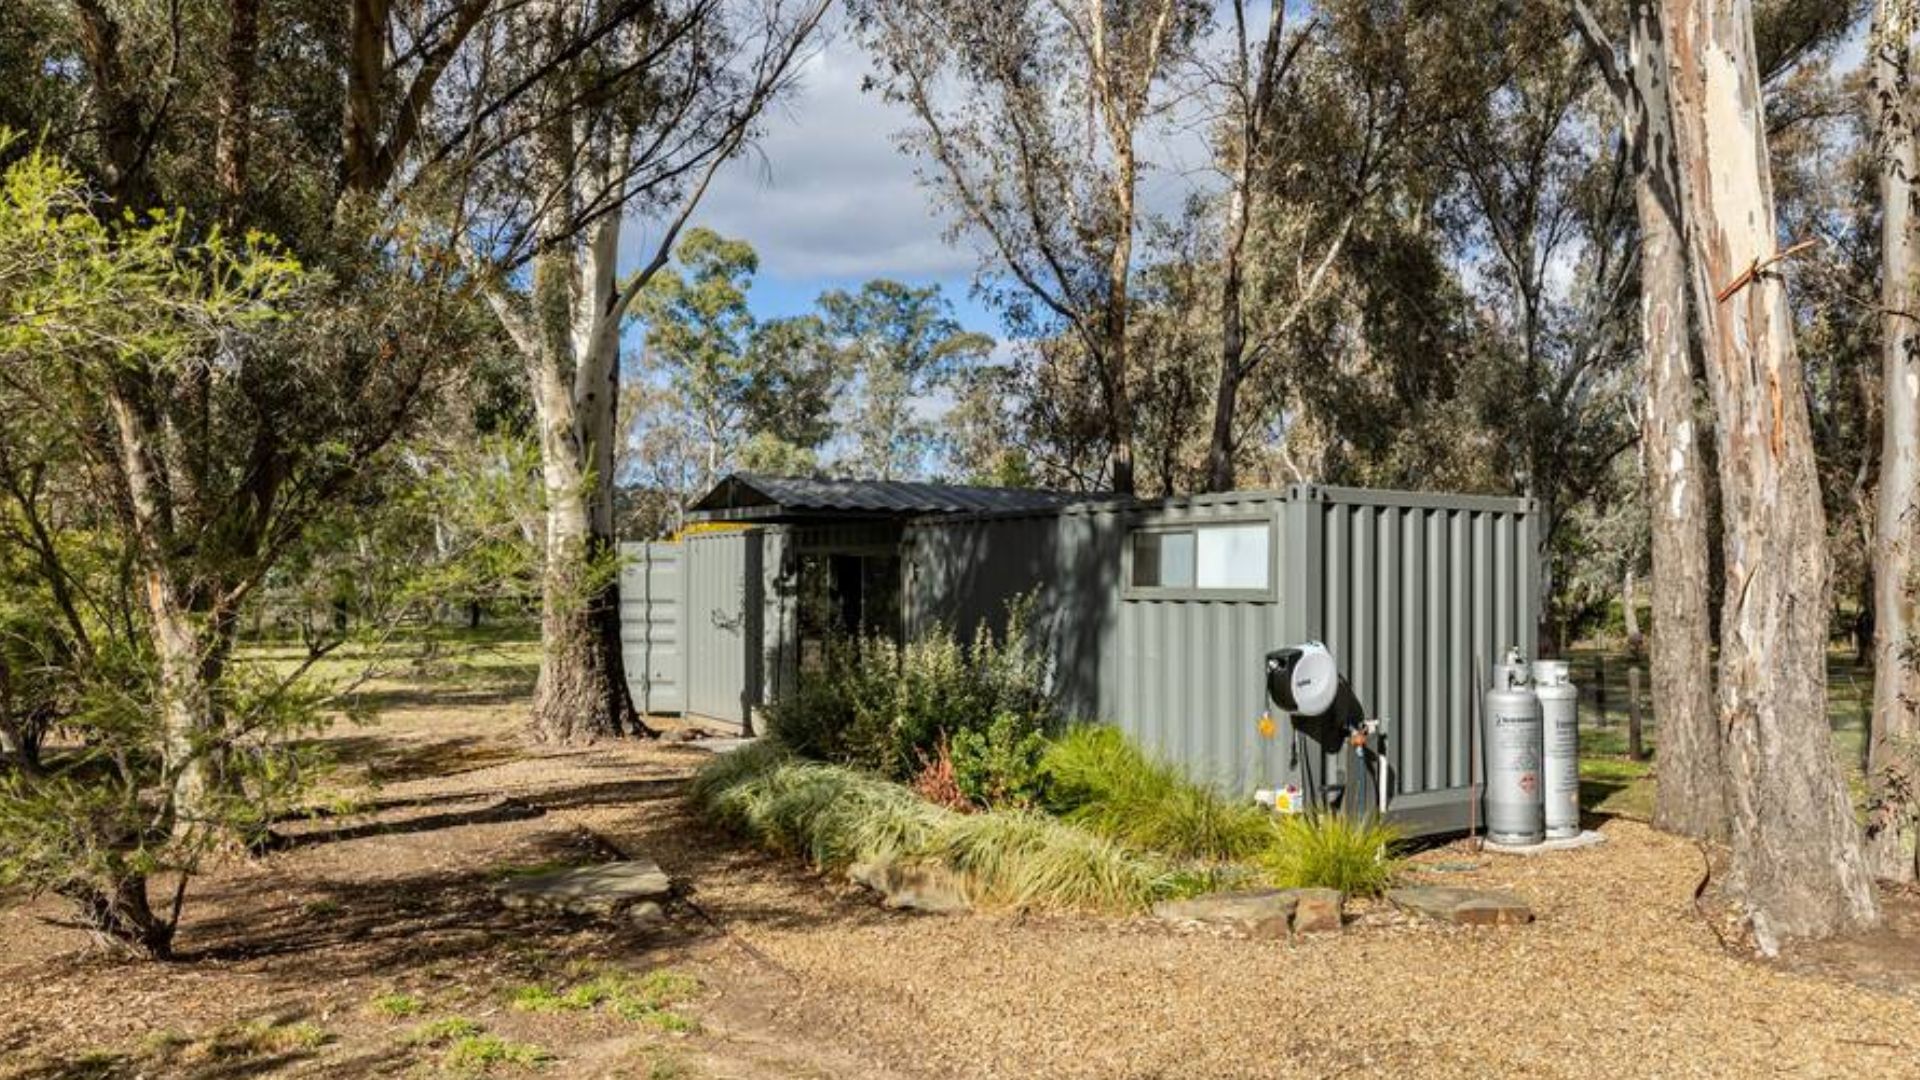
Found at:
(1232, 557)
(1162, 560)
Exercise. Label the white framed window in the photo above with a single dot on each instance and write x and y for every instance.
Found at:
(1227, 560)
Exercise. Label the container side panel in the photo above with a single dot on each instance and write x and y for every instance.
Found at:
(651, 641)
(718, 631)
(1385, 700)
(1435, 751)
(1416, 593)
(1408, 736)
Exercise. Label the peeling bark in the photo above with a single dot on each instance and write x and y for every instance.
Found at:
(1892, 743)
(580, 694)
(1688, 797)
(1798, 868)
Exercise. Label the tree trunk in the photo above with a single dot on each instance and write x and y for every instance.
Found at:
(1233, 329)
(1119, 401)
(1797, 866)
(575, 696)
(1687, 797)
(120, 916)
(1896, 683)
(1630, 612)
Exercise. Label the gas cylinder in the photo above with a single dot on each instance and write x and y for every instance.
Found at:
(1512, 740)
(1560, 773)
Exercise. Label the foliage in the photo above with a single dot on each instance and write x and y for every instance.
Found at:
(937, 782)
(885, 708)
(1333, 851)
(397, 1005)
(899, 346)
(1097, 778)
(1000, 766)
(482, 1053)
(835, 816)
(842, 388)
(90, 305)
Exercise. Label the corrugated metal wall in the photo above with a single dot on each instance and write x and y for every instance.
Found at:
(652, 599)
(1188, 677)
(722, 624)
(1411, 593)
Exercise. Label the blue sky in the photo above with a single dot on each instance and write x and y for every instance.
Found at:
(830, 202)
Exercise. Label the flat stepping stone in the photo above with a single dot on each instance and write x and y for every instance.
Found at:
(720, 745)
(633, 886)
(1462, 907)
(1262, 913)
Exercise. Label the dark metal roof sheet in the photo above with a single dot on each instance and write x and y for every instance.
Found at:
(774, 494)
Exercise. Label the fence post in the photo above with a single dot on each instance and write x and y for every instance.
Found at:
(1636, 749)
(1600, 687)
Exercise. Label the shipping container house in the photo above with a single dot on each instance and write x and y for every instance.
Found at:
(1158, 614)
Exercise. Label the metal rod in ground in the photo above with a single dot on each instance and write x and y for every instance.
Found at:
(1473, 740)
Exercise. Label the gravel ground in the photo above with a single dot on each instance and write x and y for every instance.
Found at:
(806, 977)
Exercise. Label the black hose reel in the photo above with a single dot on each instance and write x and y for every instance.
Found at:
(1304, 681)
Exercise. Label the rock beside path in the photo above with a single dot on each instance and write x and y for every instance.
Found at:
(1318, 911)
(1261, 913)
(633, 888)
(1462, 907)
(912, 888)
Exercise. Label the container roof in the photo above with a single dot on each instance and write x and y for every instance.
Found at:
(754, 496)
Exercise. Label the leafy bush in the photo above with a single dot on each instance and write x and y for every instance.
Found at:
(1333, 851)
(883, 707)
(835, 816)
(1000, 766)
(1096, 777)
(937, 782)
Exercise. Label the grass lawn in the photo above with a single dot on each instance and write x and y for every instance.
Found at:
(1611, 782)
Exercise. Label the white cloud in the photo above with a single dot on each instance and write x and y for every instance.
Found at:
(827, 194)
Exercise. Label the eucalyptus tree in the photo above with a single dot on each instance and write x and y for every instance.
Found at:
(1030, 115)
(749, 393)
(636, 111)
(1798, 867)
(1312, 122)
(899, 347)
(1688, 796)
(335, 132)
(1894, 737)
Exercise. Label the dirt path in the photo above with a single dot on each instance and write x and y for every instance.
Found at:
(798, 976)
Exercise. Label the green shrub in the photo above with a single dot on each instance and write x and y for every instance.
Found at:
(835, 816)
(1096, 777)
(883, 707)
(1333, 851)
(1000, 766)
